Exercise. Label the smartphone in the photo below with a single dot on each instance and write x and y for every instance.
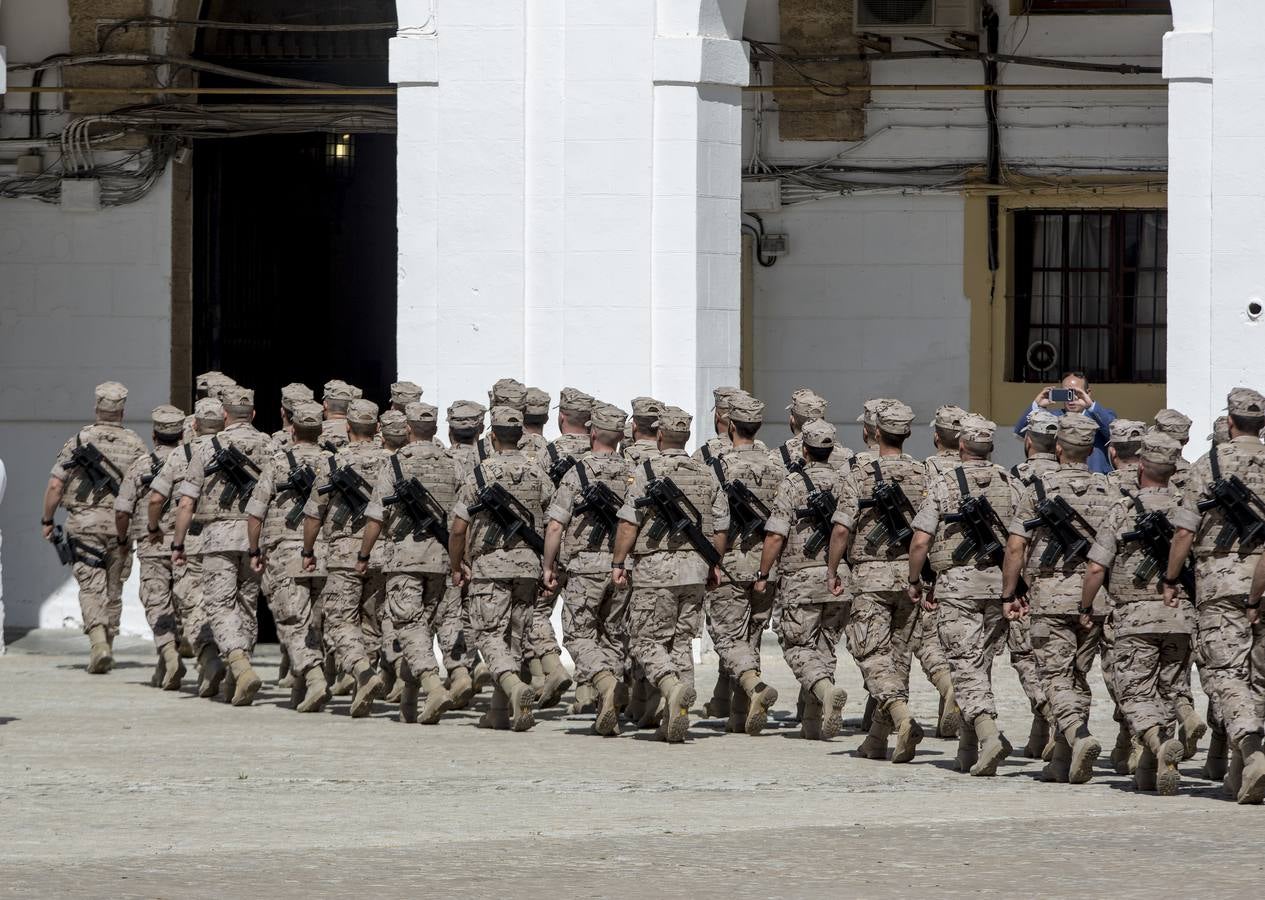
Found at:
(1059, 395)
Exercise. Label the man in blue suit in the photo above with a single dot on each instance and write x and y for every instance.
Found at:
(1082, 402)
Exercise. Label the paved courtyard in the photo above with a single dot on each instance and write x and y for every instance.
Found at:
(110, 788)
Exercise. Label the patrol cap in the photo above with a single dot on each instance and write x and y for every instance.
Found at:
(808, 404)
(1041, 421)
(628, 430)
(1077, 429)
(465, 414)
(647, 407)
(110, 396)
(356, 393)
(293, 392)
(976, 429)
(818, 433)
(507, 417)
(393, 424)
(362, 412)
(574, 400)
(1245, 402)
(895, 417)
(1173, 423)
(1158, 447)
(307, 414)
(746, 409)
(674, 420)
(1220, 430)
(418, 413)
(722, 396)
(608, 417)
(536, 402)
(870, 408)
(207, 380)
(208, 409)
(508, 392)
(949, 417)
(338, 390)
(237, 399)
(168, 420)
(405, 392)
(1127, 431)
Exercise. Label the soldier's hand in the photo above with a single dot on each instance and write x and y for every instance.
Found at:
(1170, 596)
(1043, 398)
(834, 583)
(1087, 622)
(47, 531)
(760, 586)
(257, 563)
(1254, 613)
(309, 563)
(362, 568)
(549, 581)
(914, 592)
(461, 576)
(713, 578)
(1013, 609)
(619, 576)
(178, 558)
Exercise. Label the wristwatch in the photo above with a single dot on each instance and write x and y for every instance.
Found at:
(153, 529)
(1171, 582)
(362, 557)
(761, 575)
(307, 554)
(1256, 605)
(46, 521)
(253, 553)
(1083, 611)
(177, 548)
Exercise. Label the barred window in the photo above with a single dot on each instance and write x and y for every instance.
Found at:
(1089, 6)
(1090, 295)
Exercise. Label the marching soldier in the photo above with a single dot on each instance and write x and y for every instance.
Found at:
(807, 406)
(535, 415)
(1123, 449)
(85, 481)
(946, 428)
(157, 578)
(403, 393)
(336, 397)
(495, 546)
(810, 618)
(1177, 426)
(505, 392)
(393, 434)
(292, 393)
(206, 385)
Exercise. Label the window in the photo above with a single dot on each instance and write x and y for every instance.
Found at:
(1090, 294)
(1091, 6)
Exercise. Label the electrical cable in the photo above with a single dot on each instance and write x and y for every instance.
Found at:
(158, 59)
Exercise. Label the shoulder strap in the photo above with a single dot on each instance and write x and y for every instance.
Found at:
(584, 478)
(1037, 483)
(649, 470)
(395, 467)
(962, 486)
(786, 456)
(706, 454)
(333, 467)
(1215, 463)
(553, 453)
(1014, 472)
(188, 452)
(1137, 504)
(479, 449)
(294, 463)
(478, 477)
(215, 442)
(878, 472)
(808, 482)
(715, 464)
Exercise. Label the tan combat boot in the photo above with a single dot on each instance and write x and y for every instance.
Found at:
(438, 700)
(1120, 752)
(739, 707)
(317, 691)
(606, 687)
(160, 669)
(993, 746)
(186, 649)
(481, 677)
(1218, 749)
(1147, 769)
(1059, 767)
(368, 688)
(410, 691)
(1085, 750)
(720, 704)
(100, 654)
(393, 680)
(498, 715)
(678, 697)
(1169, 779)
(867, 717)
(908, 731)
(949, 716)
(1052, 728)
(1252, 785)
(832, 700)
(810, 715)
(285, 676)
(968, 747)
(760, 699)
(875, 744)
(1038, 736)
(344, 685)
(555, 683)
(460, 687)
(1135, 754)
(246, 682)
(212, 669)
(522, 697)
(173, 668)
(585, 700)
(1233, 774)
(1190, 728)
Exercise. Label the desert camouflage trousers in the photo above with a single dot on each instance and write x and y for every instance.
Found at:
(230, 597)
(1024, 661)
(292, 603)
(1233, 672)
(100, 585)
(1065, 653)
(880, 634)
(350, 608)
(500, 616)
(972, 633)
(595, 625)
(414, 604)
(809, 635)
(157, 584)
(662, 624)
(456, 636)
(737, 615)
(1148, 670)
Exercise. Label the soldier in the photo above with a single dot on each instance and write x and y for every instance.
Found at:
(883, 619)
(642, 444)
(574, 435)
(157, 578)
(393, 434)
(1220, 431)
(670, 571)
(946, 429)
(276, 516)
(292, 393)
(578, 540)
(506, 392)
(494, 546)
(807, 406)
(810, 618)
(411, 501)
(206, 385)
(403, 393)
(1224, 565)
(336, 396)
(214, 491)
(336, 511)
(195, 628)
(1059, 513)
(720, 443)
(869, 429)
(1152, 641)
(964, 547)
(1177, 426)
(85, 480)
(1123, 449)
(535, 415)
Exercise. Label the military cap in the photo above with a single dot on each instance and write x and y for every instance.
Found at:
(110, 396)
(405, 392)
(1220, 430)
(1245, 402)
(722, 396)
(949, 417)
(362, 412)
(392, 423)
(975, 428)
(808, 404)
(1127, 431)
(208, 409)
(1041, 421)
(628, 430)
(1158, 447)
(465, 414)
(307, 414)
(746, 409)
(507, 417)
(238, 398)
(675, 420)
(647, 407)
(607, 417)
(207, 380)
(356, 393)
(418, 413)
(818, 433)
(293, 392)
(536, 402)
(869, 410)
(338, 390)
(574, 400)
(895, 417)
(1174, 423)
(508, 392)
(1077, 429)
(168, 420)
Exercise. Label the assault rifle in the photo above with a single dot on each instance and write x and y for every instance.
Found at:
(352, 489)
(420, 506)
(891, 504)
(1239, 505)
(819, 506)
(598, 502)
(1155, 533)
(675, 515)
(236, 467)
(299, 481)
(1058, 517)
(982, 532)
(747, 512)
(99, 472)
(559, 465)
(70, 551)
(155, 466)
(509, 518)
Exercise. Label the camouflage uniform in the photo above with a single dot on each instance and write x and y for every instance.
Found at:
(195, 627)
(334, 434)
(456, 637)
(1019, 634)
(157, 574)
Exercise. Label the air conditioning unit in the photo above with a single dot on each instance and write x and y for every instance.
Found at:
(916, 17)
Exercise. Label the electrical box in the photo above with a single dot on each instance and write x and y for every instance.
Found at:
(80, 194)
(916, 17)
(30, 163)
(762, 195)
